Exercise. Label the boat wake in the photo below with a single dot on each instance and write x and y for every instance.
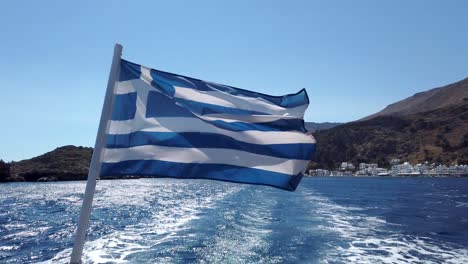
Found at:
(197, 221)
(170, 208)
(242, 230)
(360, 238)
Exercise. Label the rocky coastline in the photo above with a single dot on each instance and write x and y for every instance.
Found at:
(67, 163)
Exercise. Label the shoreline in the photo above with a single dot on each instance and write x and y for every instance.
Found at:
(389, 176)
(305, 176)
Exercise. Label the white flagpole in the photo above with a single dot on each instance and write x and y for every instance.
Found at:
(95, 166)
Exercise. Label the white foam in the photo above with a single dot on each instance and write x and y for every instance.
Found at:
(461, 204)
(176, 208)
(367, 239)
(244, 235)
(7, 248)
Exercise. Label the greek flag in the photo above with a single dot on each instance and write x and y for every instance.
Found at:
(169, 125)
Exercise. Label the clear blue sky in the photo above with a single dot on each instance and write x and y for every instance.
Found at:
(353, 57)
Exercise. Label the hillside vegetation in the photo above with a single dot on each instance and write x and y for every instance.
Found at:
(439, 136)
(64, 163)
(312, 126)
(4, 171)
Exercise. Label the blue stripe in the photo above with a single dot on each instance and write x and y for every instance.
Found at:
(129, 71)
(278, 125)
(163, 84)
(287, 101)
(166, 81)
(208, 140)
(124, 106)
(157, 168)
(160, 105)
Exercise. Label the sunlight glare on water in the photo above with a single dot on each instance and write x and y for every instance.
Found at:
(196, 221)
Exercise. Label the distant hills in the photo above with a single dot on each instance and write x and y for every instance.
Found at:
(449, 95)
(4, 170)
(312, 126)
(429, 126)
(64, 163)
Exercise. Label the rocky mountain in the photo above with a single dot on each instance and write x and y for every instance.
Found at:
(4, 171)
(312, 126)
(64, 163)
(439, 135)
(436, 98)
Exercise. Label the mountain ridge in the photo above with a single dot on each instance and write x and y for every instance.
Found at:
(440, 97)
(439, 136)
(314, 126)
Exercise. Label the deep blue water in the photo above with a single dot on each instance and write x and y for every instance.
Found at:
(327, 220)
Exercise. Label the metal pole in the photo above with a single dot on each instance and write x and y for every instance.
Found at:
(95, 166)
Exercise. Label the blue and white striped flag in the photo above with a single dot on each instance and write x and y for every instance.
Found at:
(168, 125)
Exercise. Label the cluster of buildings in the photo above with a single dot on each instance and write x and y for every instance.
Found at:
(397, 169)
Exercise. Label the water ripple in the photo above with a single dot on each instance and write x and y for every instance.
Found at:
(197, 221)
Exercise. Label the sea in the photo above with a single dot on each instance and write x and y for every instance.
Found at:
(326, 220)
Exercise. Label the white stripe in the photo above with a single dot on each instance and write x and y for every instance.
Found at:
(146, 75)
(243, 118)
(125, 87)
(293, 111)
(140, 86)
(212, 97)
(189, 124)
(238, 101)
(207, 156)
(131, 86)
(136, 85)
